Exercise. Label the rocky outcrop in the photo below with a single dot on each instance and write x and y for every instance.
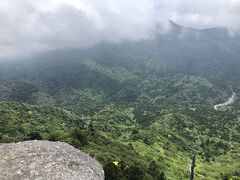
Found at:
(44, 160)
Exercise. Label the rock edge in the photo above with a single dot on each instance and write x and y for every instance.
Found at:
(44, 160)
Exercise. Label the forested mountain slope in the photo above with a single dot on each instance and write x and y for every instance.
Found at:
(185, 63)
(145, 105)
(150, 142)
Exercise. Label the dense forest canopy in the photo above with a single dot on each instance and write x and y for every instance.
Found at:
(142, 108)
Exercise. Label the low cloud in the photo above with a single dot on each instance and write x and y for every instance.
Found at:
(29, 26)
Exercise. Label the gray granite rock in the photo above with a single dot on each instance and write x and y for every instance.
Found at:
(44, 160)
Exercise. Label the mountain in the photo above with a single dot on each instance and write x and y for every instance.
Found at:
(150, 103)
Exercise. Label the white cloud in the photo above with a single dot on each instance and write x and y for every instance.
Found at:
(206, 13)
(28, 26)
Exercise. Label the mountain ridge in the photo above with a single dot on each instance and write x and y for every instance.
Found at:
(140, 108)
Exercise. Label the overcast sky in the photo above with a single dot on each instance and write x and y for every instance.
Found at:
(28, 26)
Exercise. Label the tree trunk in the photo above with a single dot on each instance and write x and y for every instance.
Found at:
(193, 164)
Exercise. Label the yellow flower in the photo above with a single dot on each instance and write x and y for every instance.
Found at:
(116, 163)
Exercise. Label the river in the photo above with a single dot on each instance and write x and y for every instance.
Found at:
(228, 102)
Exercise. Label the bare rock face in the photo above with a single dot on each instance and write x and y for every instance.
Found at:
(44, 160)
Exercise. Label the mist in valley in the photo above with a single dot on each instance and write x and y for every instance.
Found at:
(141, 85)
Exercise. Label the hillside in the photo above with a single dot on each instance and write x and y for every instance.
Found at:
(184, 67)
(114, 135)
(141, 108)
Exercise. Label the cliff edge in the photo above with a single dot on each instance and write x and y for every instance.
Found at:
(44, 160)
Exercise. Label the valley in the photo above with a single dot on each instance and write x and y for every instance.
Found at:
(140, 108)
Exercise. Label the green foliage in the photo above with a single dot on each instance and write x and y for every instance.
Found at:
(35, 135)
(142, 104)
(79, 135)
(156, 150)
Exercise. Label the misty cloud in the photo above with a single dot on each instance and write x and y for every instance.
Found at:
(28, 26)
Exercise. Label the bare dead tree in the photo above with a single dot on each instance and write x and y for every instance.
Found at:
(192, 166)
